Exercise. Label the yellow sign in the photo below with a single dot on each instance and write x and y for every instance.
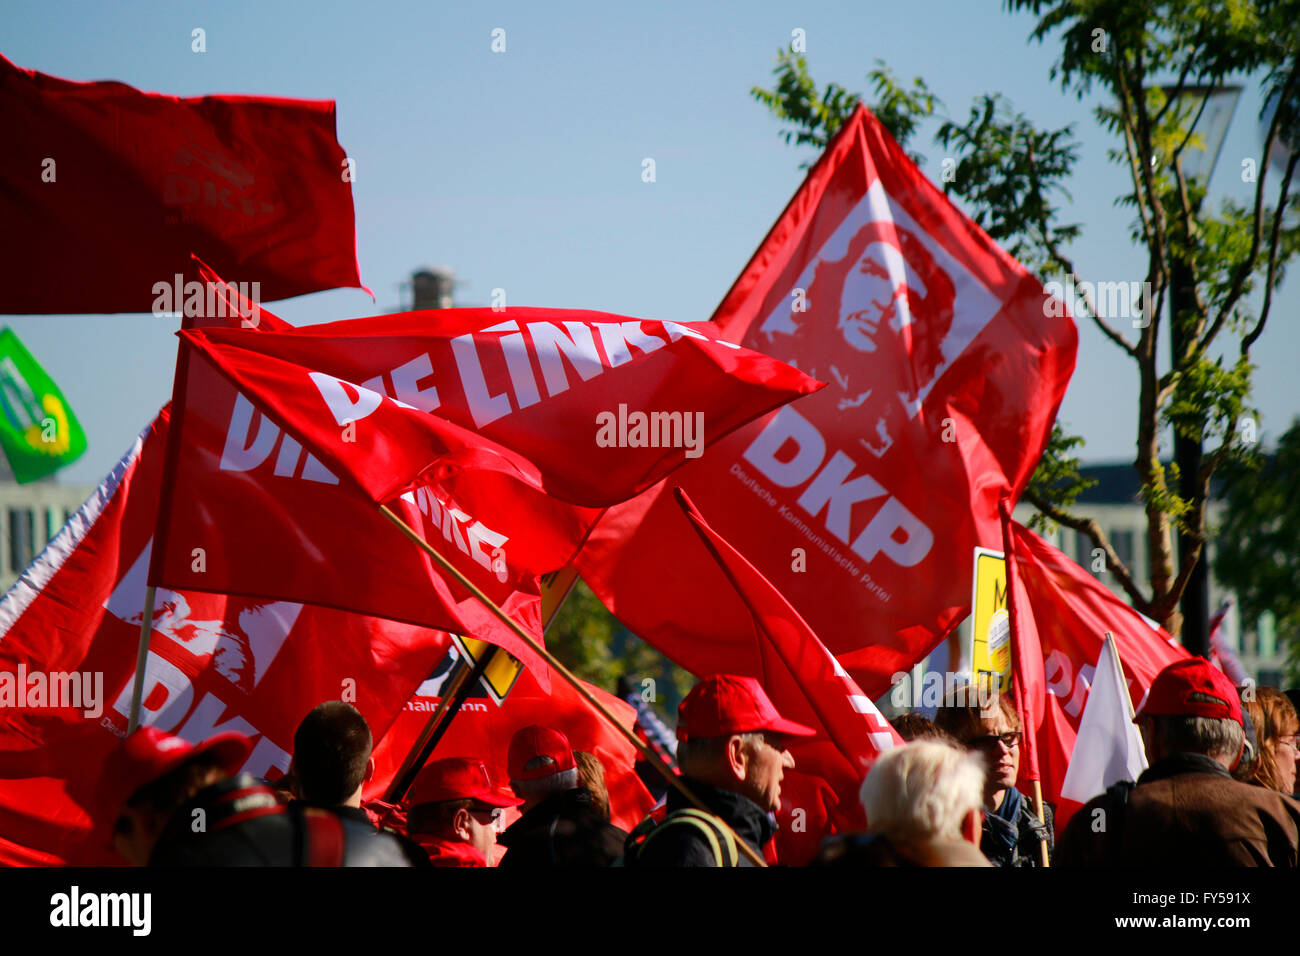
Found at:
(503, 670)
(990, 620)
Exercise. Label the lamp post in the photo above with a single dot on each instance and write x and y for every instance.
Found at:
(1210, 109)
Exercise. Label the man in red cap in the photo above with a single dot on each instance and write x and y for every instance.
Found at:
(732, 753)
(559, 826)
(454, 812)
(1186, 809)
(167, 802)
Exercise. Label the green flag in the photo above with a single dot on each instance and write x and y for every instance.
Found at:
(38, 432)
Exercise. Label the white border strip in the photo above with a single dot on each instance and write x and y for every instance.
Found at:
(39, 573)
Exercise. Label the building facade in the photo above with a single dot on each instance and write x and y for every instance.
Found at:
(30, 515)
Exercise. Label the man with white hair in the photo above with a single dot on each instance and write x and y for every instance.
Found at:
(1186, 810)
(923, 809)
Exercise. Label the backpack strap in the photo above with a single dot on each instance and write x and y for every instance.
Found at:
(245, 803)
(324, 838)
(707, 824)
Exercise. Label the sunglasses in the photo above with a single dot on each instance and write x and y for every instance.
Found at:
(493, 814)
(1010, 740)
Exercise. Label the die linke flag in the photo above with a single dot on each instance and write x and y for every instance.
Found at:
(1073, 612)
(111, 189)
(946, 362)
(586, 407)
(247, 511)
(69, 628)
(806, 684)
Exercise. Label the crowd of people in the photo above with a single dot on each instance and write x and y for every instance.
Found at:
(1217, 793)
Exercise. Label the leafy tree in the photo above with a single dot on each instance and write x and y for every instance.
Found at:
(1011, 179)
(594, 645)
(1257, 553)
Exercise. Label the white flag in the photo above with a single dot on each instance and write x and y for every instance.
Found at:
(1109, 746)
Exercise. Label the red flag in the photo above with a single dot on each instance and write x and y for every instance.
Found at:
(249, 512)
(483, 730)
(862, 503)
(807, 685)
(1026, 653)
(1074, 611)
(616, 417)
(1222, 653)
(216, 663)
(111, 189)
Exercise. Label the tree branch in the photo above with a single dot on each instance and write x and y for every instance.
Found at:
(1182, 76)
(1092, 529)
(1143, 131)
(1068, 266)
(1278, 215)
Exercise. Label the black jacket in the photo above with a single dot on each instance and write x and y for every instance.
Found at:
(239, 822)
(563, 830)
(680, 845)
(1011, 844)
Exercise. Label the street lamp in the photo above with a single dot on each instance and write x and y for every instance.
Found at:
(1206, 111)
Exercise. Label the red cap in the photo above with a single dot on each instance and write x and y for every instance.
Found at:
(458, 778)
(724, 704)
(538, 741)
(1171, 692)
(148, 754)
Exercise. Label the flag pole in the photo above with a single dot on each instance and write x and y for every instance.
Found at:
(508, 621)
(1031, 741)
(161, 527)
(141, 659)
(460, 684)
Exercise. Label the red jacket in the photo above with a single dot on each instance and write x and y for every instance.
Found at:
(449, 852)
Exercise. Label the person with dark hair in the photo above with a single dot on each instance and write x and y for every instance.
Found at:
(1186, 810)
(167, 802)
(332, 763)
(916, 726)
(454, 812)
(1013, 835)
(560, 826)
(331, 755)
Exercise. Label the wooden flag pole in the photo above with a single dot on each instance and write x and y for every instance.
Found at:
(453, 684)
(141, 660)
(459, 686)
(460, 683)
(1038, 808)
(1004, 512)
(508, 621)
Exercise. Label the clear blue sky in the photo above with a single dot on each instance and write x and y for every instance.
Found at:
(522, 170)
